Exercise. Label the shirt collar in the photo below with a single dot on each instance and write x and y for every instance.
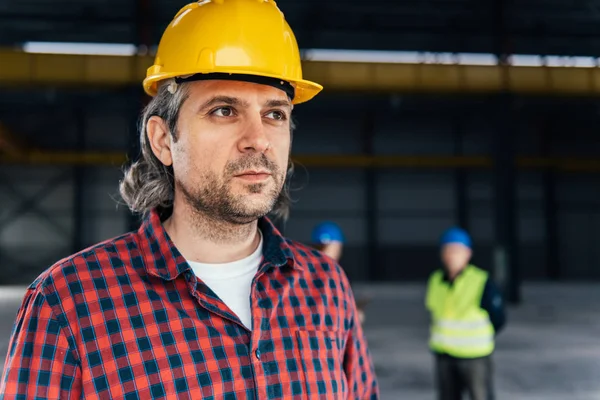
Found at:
(162, 259)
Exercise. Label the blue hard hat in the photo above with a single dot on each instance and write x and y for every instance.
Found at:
(456, 235)
(327, 232)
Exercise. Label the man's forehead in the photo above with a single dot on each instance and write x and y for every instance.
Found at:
(455, 246)
(244, 91)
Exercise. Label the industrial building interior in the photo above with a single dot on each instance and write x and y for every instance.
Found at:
(416, 130)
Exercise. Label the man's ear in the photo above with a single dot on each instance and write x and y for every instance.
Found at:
(159, 139)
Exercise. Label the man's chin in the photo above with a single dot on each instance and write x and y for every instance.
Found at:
(246, 216)
(259, 207)
(250, 207)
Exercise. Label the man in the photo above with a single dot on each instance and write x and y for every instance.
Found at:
(206, 300)
(328, 238)
(467, 312)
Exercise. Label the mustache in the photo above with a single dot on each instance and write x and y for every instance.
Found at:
(252, 161)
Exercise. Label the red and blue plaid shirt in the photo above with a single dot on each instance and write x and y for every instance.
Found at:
(128, 319)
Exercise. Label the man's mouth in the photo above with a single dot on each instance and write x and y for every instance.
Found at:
(253, 175)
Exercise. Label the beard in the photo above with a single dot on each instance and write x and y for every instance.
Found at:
(215, 199)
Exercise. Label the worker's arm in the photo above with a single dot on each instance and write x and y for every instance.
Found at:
(428, 300)
(40, 364)
(493, 303)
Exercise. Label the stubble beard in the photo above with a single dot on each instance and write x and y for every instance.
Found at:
(215, 200)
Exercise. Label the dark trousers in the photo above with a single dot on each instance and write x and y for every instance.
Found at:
(455, 376)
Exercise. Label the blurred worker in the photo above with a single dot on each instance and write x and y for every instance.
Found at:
(467, 312)
(328, 238)
(206, 300)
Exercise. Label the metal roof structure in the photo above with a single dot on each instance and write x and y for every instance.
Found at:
(526, 27)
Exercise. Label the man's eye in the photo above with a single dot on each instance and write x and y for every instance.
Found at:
(277, 115)
(223, 112)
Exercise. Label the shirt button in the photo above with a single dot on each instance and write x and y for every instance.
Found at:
(257, 353)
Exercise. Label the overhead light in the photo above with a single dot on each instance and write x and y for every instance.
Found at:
(568, 61)
(360, 56)
(338, 55)
(476, 59)
(422, 57)
(107, 49)
(526, 60)
(397, 57)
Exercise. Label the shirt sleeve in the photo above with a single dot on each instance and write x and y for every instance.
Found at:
(493, 303)
(358, 365)
(40, 363)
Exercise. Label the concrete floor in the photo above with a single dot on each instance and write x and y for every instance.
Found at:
(549, 350)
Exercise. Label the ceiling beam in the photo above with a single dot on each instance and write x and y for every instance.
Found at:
(19, 69)
(458, 79)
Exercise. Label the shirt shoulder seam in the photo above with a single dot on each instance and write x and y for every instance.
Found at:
(41, 288)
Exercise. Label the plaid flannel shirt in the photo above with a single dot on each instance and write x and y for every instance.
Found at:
(128, 319)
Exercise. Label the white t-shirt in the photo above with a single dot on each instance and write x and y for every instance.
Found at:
(232, 281)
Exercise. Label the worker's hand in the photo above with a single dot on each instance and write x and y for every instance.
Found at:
(361, 316)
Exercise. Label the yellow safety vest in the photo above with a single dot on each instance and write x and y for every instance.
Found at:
(459, 326)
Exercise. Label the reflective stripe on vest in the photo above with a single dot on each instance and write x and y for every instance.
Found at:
(462, 342)
(460, 327)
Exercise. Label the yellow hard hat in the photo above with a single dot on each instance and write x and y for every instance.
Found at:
(231, 38)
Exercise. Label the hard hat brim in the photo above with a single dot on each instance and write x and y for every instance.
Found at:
(305, 89)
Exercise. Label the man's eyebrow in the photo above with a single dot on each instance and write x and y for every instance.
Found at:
(279, 103)
(227, 100)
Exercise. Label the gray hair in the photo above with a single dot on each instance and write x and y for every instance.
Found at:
(149, 184)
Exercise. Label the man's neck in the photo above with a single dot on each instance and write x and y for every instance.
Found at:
(451, 276)
(202, 239)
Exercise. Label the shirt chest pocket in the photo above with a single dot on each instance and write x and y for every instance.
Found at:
(322, 361)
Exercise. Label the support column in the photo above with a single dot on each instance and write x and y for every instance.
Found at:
(374, 270)
(506, 259)
(460, 190)
(550, 210)
(506, 268)
(78, 243)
